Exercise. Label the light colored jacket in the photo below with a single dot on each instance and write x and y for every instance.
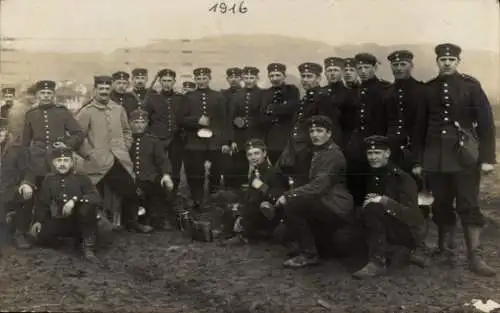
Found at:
(107, 135)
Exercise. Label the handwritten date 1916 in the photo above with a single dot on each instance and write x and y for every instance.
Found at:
(229, 8)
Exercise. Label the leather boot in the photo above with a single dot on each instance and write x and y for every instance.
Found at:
(21, 241)
(375, 267)
(472, 241)
(445, 252)
(419, 256)
(89, 243)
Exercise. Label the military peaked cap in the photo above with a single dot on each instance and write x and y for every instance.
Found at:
(31, 90)
(138, 114)
(250, 70)
(9, 91)
(120, 75)
(365, 58)
(45, 84)
(320, 121)
(167, 72)
(103, 80)
(376, 142)
(202, 71)
(233, 71)
(310, 67)
(276, 67)
(140, 71)
(448, 50)
(255, 143)
(61, 153)
(350, 62)
(400, 55)
(334, 61)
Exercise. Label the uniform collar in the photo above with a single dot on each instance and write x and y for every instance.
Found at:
(370, 81)
(46, 106)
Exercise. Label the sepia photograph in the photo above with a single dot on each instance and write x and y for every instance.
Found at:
(281, 156)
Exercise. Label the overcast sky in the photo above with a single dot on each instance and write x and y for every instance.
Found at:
(103, 25)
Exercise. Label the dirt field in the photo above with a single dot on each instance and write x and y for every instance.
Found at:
(167, 273)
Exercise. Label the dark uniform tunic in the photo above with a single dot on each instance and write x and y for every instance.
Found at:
(45, 125)
(141, 94)
(55, 191)
(228, 94)
(369, 119)
(397, 219)
(5, 108)
(342, 98)
(245, 104)
(451, 98)
(405, 97)
(317, 209)
(150, 164)
(165, 112)
(279, 107)
(210, 103)
(127, 100)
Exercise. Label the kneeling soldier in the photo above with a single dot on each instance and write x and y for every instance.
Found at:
(390, 211)
(322, 207)
(67, 206)
(152, 171)
(259, 216)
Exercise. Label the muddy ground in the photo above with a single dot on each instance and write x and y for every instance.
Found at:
(165, 272)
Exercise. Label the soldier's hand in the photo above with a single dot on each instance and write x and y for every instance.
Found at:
(267, 209)
(166, 182)
(375, 199)
(225, 149)
(281, 201)
(257, 183)
(204, 120)
(68, 207)
(487, 168)
(417, 170)
(234, 147)
(35, 229)
(59, 144)
(26, 191)
(370, 195)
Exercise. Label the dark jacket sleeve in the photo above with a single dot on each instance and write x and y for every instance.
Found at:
(190, 121)
(75, 138)
(485, 125)
(328, 167)
(225, 120)
(27, 131)
(405, 207)
(419, 131)
(44, 201)
(89, 192)
(290, 103)
(161, 160)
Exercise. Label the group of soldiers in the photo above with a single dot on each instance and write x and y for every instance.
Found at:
(339, 167)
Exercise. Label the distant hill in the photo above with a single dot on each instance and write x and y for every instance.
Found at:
(233, 50)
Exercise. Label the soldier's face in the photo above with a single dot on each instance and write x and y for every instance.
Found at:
(187, 89)
(333, 74)
(378, 157)
(234, 80)
(447, 65)
(366, 71)
(8, 97)
(350, 74)
(256, 156)
(250, 80)
(3, 135)
(309, 80)
(276, 78)
(319, 135)
(102, 92)
(140, 81)
(45, 96)
(167, 83)
(401, 69)
(120, 85)
(62, 164)
(202, 81)
(139, 126)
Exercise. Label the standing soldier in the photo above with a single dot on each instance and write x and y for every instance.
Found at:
(351, 77)
(341, 97)
(245, 108)
(369, 119)
(188, 86)
(106, 154)
(47, 126)
(139, 81)
(208, 134)
(165, 117)
(233, 77)
(454, 152)
(280, 102)
(8, 95)
(119, 93)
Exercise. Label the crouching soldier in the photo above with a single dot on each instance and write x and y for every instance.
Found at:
(67, 206)
(152, 171)
(390, 211)
(259, 216)
(322, 208)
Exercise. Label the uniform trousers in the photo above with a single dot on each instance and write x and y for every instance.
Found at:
(81, 224)
(174, 150)
(274, 155)
(194, 161)
(463, 187)
(255, 224)
(157, 202)
(384, 232)
(319, 231)
(357, 178)
(120, 183)
(237, 173)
